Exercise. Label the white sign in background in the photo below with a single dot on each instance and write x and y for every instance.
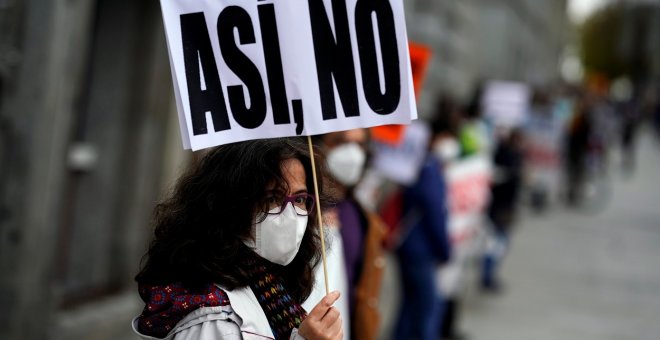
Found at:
(402, 163)
(468, 184)
(261, 69)
(506, 103)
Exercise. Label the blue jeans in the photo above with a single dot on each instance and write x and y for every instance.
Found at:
(421, 308)
(492, 258)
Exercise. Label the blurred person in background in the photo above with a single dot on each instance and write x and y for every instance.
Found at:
(234, 249)
(425, 247)
(362, 232)
(630, 117)
(543, 129)
(591, 133)
(576, 148)
(507, 180)
(473, 134)
(446, 148)
(656, 112)
(445, 127)
(604, 132)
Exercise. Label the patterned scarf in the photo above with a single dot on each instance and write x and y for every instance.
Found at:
(166, 305)
(282, 312)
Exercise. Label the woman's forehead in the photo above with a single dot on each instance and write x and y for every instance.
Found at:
(294, 174)
(294, 177)
(350, 136)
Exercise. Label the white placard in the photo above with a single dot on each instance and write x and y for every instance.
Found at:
(506, 103)
(263, 68)
(468, 192)
(402, 163)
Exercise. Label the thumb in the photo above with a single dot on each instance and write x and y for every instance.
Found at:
(322, 307)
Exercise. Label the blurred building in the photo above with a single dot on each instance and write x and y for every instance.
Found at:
(640, 41)
(477, 40)
(88, 135)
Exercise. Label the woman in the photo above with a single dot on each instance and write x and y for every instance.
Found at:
(425, 247)
(361, 232)
(235, 247)
(508, 161)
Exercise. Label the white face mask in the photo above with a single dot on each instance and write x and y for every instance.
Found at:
(447, 149)
(278, 237)
(346, 163)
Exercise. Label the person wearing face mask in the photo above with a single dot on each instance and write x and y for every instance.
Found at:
(447, 149)
(234, 249)
(362, 232)
(426, 245)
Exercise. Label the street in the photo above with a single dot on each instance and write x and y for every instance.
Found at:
(575, 275)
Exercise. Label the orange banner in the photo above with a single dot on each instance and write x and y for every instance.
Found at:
(420, 57)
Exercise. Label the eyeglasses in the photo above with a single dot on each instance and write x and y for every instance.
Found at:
(302, 204)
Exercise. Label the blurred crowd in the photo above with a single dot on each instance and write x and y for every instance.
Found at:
(442, 196)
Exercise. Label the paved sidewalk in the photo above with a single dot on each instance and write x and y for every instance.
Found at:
(572, 275)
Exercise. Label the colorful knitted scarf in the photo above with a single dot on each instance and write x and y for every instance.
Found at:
(166, 305)
(283, 313)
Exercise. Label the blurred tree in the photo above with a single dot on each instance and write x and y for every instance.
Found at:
(601, 35)
(617, 41)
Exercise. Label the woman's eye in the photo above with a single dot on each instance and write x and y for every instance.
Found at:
(300, 200)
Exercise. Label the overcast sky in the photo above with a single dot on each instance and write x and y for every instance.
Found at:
(578, 10)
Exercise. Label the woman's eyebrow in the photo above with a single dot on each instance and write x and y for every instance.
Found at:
(301, 191)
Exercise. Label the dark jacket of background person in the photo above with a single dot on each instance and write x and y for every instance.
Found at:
(366, 318)
(578, 140)
(426, 246)
(427, 238)
(362, 232)
(508, 161)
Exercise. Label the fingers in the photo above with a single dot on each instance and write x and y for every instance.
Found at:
(334, 326)
(330, 317)
(337, 333)
(324, 321)
(319, 311)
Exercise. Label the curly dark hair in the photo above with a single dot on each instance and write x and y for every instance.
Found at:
(201, 225)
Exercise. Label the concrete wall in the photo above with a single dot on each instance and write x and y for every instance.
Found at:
(38, 96)
(90, 75)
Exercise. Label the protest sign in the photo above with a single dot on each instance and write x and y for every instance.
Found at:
(468, 193)
(420, 57)
(468, 183)
(262, 68)
(506, 103)
(402, 163)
